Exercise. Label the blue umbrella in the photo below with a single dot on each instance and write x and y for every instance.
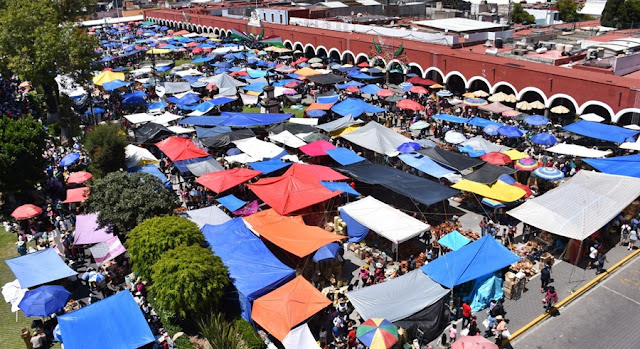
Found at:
(491, 130)
(69, 159)
(96, 277)
(507, 179)
(549, 173)
(57, 334)
(234, 151)
(44, 300)
(544, 139)
(317, 113)
(96, 110)
(405, 86)
(408, 147)
(444, 93)
(328, 251)
(509, 131)
(536, 120)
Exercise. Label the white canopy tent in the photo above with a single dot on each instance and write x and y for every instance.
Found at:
(385, 220)
(166, 118)
(479, 143)
(137, 156)
(288, 139)
(378, 138)
(390, 299)
(582, 205)
(240, 158)
(304, 121)
(631, 145)
(578, 150)
(300, 338)
(258, 149)
(181, 130)
(139, 118)
(209, 215)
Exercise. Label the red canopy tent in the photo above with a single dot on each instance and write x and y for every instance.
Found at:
(290, 233)
(223, 180)
(409, 104)
(177, 148)
(26, 211)
(319, 172)
(79, 177)
(317, 148)
(77, 195)
(290, 304)
(420, 81)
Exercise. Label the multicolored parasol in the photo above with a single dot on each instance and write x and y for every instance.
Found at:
(548, 173)
(474, 102)
(377, 333)
(526, 164)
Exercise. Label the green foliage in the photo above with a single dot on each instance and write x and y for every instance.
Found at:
(621, 14)
(609, 16)
(568, 10)
(127, 199)
(22, 143)
(155, 236)
(219, 333)
(106, 145)
(170, 323)
(519, 15)
(248, 333)
(189, 280)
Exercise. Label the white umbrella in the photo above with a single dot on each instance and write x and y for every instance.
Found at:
(13, 293)
(315, 60)
(510, 98)
(537, 105)
(524, 105)
(481, 94)
(632, 127)
(560, 109)
(498, 97)
(592, 117)
(454, 137)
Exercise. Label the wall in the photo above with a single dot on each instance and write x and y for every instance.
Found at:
(274, 16)
(626, 64)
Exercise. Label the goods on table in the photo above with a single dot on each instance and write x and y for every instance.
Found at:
(525, 266)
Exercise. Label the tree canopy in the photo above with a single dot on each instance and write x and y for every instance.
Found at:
(155, 236)
(22, 143)
(127, 199)
(105, 145)
(568, 11)
(621, 14)
(189, 280)
(519, 15)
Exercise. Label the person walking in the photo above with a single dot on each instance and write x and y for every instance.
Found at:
(633, 237)
(466, 313)
(550, 298)
(545, 277)
(625, 229)
(501, 327)
(602, 258)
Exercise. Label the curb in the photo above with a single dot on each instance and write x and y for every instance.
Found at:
(571, 297)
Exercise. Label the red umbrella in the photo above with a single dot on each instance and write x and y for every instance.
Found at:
(79, 177)
(206, 49)
(107, 69)
(523, 187)
(473, 342)
(496, 158)
(26, 211)
(384, 93)
(292, 84)
(353, 89)
(192, 44)
(197, 50)
(419, 89)
(408, 104)
(363, 65)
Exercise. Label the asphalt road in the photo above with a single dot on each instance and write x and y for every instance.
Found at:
(607, 316)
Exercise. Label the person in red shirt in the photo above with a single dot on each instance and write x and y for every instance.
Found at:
(466, 313)
(351, 338)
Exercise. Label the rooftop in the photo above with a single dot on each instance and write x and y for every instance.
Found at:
(459, 25)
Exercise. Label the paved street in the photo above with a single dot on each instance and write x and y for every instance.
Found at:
(607, 316)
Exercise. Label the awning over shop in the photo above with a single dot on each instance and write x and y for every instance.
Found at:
(628, 165)
(488, 173)
(578, 150)
(450, 159)
(39, 268)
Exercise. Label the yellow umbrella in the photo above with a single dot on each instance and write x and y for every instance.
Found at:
(436, 86)
(537, 105)
(469, 95)
(561, 109)
(498, 97)
(481, 94)
(107, 76)
(524, 105)
(514, 154)
(158, 51)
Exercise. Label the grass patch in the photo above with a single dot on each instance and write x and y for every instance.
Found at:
(296, 113)
(9, 328)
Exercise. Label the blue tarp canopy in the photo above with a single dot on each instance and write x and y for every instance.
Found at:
(329, 99)
(269, 166)
(344, 156)
(451, 118)
(203, 132)
(479, 258)
(454, 240)
(328, 251)
(600, 131)
(114, 322)
(628, 165)
(203, 59)
(231, 203)
(485, 290)
(152, 170)
(370, 89)
(342, 186)
(181, 165)
(355, 107)
(356, 231)
(188, 99)
(254, 270)
(157, 105)
(364, 76)
(253, 119)
(114, 85)
(349, 84)
(39, 268)
(201, 120)
(426, 165)
(481, 122)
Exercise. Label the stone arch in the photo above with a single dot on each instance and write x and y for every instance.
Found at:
(622, 115)
(455, 73)
(216, 31)
(476, 83)
(598, 110)
(335, 56)
(415, 68)
(392, 62)
(298, 47)
(565, 96)
(531, 91)
(309, 51)
(456, 83)
(288, 44)
(321, 51)
(348, 57)
(361, 57)
(504, 86)
(435, 74)
(609, 111)
(376, 60)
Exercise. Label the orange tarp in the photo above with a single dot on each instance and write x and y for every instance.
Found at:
(306, 71)
(76, 195)
(290, 233)
(292, 303)
(320, 106)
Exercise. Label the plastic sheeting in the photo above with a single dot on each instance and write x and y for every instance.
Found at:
(88, 231)
(628, 165)
(177, 148)
(287, 138)
(227, 86)
(252, 119)
(227, 179)
(258, 149)
(254, 270)
(204, 132)
(152, 170)
(450, 118)
(339, 124)
(292, 303)
(114, 322)
(176, 87)
(300, 338)
(488, 173)
(481, 122)
(390, 223)
(392, 301)
(479, 143)
(479, 258)
(208, 215)
(355, 107)
(499, 190)
(450, 159)
(378, 138)
(225, 139)
(419, 189)
(136, 156)
(454, 240)
(344, 156)
(578, 150)
(580, 206)
(485, 290)
(231, 203)
(269, 166)
(340, 186)
(317, 148)
(597, 130)
(139, 118)
(426, 165)
(151, 132)
(39, 268)
(203, 167)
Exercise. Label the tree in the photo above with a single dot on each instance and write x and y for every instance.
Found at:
(106, 145)
(629, 14)
(519, 15)
(126, 199)
(38, 41)
(155, 236)
(609, 16)
(219, 333)
(189, 280)
(22, 143)
(568, 10)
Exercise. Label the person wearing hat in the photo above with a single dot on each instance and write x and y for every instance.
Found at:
(378, 275)
(22, 247)
(501, 326)
(364, 275)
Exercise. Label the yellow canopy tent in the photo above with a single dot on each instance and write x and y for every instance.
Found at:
(514, 154)
(499, 190)
(306, 71)
(158, 51)
(107, 76)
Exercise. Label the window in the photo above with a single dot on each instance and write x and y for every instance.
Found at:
(264, 15)
(281, 20)
(273, 18)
